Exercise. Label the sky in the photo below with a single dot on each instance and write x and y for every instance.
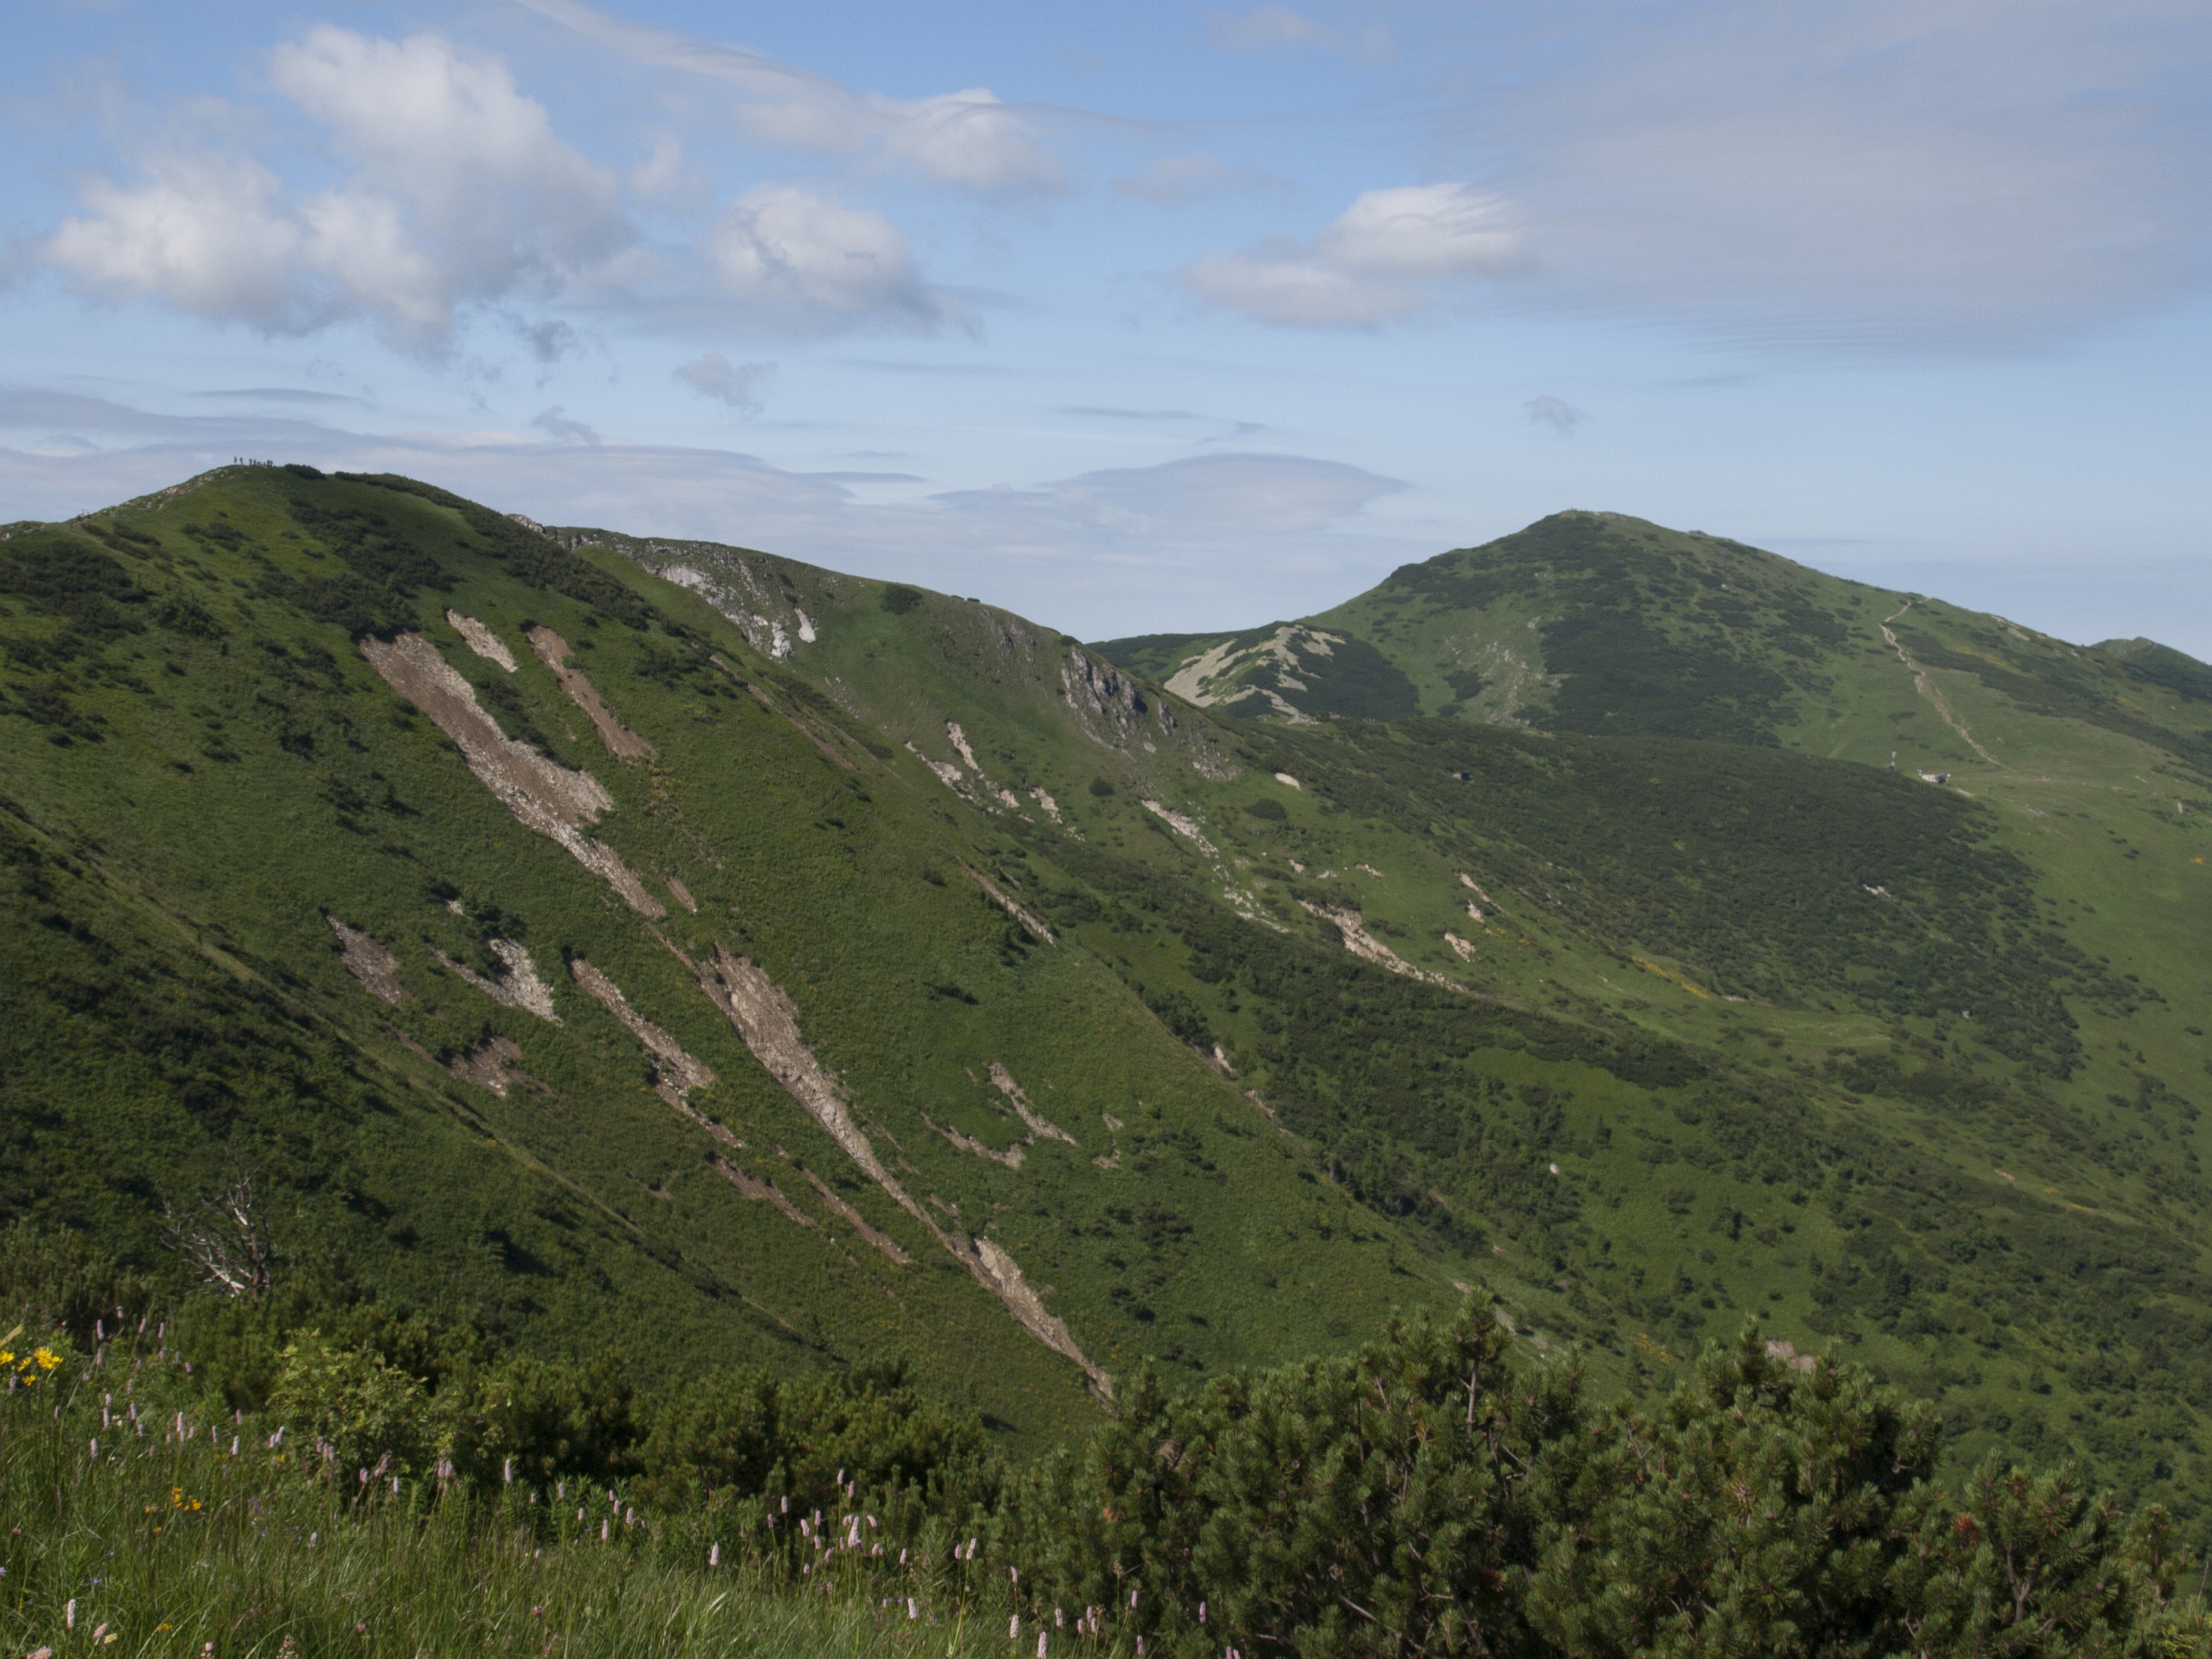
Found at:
(1153, 317)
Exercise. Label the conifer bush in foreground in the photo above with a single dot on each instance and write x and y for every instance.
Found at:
(1432, 1494)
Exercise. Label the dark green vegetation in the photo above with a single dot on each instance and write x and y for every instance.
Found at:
(1033, 1020)
(232, 1481)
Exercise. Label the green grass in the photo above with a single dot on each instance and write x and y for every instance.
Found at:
(1952, 1128)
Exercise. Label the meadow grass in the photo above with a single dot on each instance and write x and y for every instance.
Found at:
(166, 1544)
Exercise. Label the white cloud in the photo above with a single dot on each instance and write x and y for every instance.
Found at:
(741, 386)
(1174, 180)
(968, 139)
(462, 193)
(811, 264)
(1388, 257)
(205, 232)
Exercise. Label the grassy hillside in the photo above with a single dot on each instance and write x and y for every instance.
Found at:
(203, 772)
(1592, 959)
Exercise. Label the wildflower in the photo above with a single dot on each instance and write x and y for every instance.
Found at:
(1132, 1600)
(45, 1356)
(603, 1530)
(507, 1472)
(1057, 1621)
(1202, 1613)
(1042, 1639)
(715, 1556)
(912, 1611)
(1014, 1628)
(69, 1616)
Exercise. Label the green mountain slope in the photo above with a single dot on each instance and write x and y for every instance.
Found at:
(204, 777)
(1641, 1004)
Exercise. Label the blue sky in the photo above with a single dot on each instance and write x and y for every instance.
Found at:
(1158, 316)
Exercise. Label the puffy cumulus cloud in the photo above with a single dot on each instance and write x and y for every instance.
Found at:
(462, 193)
(812, 265)
(968, 139)
(207, 233)
(1946, 172)
(1391, 255)
(1174, 180)
(743, 386)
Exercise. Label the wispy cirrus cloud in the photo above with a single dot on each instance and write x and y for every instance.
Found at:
(1276, 27)
(1115, 550)
(968, 138)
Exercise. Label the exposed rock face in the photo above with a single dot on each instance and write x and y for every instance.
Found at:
(1110, 710)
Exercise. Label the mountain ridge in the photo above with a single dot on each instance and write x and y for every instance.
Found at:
(1228, 1035)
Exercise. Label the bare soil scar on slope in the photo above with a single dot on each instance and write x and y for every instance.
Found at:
(675, 1073)
(554, 651)
(376, 967)
(766, 1018)
(1038, 1123)
(495, 1064)
(543, 795)
(515, 986)
(480, 640)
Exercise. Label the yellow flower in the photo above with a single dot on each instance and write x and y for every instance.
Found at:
(7, 1358)
(46, 1356)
